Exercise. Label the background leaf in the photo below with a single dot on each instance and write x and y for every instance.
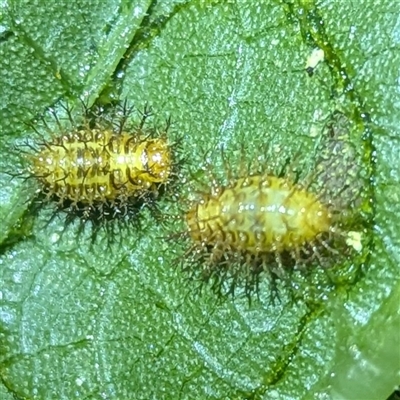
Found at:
(80, 322)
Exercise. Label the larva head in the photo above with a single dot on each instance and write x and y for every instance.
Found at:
(190, 219)
(46, 165)
(158, 159)
(318, 219)
(193, 224)
(201, 227)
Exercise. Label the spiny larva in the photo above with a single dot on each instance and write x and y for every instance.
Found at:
(258, 214)
(100, 166)
(263, 223)
(97, 166)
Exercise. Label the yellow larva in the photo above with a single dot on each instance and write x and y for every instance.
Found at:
(275, 222)
(259, 214)
(99, 166)
(96, 166)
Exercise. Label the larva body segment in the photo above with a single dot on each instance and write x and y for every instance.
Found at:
(258, 214)
(99, 165)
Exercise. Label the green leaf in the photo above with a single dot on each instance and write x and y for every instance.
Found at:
(78, 320)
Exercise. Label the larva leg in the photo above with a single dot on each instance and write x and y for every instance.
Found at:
(326, 245)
